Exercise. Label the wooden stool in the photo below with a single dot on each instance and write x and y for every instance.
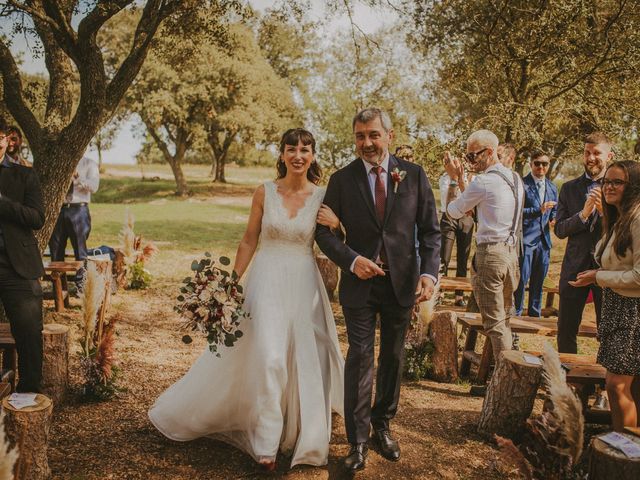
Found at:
(607, 463)
(28, 428)
(57, 272)
(55, 365)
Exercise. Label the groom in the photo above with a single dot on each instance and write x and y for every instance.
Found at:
(383, 202)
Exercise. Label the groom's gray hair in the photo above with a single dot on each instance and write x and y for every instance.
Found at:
(369, 114)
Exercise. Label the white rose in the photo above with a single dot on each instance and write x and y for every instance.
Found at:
(220, 296)
(205, 295)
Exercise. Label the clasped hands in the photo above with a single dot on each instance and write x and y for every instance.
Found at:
(593, 202)
(585, 278)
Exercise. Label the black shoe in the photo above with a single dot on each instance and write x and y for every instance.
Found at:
(389, 447)
(478, 390)
(356, 459)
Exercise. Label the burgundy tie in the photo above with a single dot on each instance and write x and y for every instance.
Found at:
(381, 199)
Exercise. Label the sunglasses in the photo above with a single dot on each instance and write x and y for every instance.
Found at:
(471, 156)
(612, 183)
(540, 164)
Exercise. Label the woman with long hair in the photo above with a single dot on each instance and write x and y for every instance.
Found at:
(276, 388)
(618, 254)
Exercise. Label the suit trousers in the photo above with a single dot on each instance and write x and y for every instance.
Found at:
(494, 277)
(459, 231)
(534, 266)
(22, 301)
(359, 364)
(572, 302)
(74, 223)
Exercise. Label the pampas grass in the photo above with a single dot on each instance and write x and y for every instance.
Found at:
(128, 238)
(8, 457)
(566, 406)
(92, 296)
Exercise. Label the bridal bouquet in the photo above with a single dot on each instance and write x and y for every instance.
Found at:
(210, 302)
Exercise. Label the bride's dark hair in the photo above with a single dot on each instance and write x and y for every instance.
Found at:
(293, 136)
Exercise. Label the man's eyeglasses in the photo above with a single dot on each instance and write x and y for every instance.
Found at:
(3, 137)
(540, 164)
(612, 183)
(471, 156)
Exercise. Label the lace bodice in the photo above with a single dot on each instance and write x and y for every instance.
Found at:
(288, 234)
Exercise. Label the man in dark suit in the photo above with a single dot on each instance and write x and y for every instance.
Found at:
(381, 201)
(579, 219)
(21, 212)
(541, 197)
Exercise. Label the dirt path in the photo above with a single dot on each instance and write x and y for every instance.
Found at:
(114, 440)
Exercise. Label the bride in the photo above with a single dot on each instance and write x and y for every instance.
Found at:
(276, 388)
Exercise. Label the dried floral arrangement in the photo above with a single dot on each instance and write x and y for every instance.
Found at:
(211, 303)
(135, 255)
(8, 456)
(553, 441)
(97, 357)
(418, 347)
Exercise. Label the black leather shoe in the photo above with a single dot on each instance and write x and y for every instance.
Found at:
(356, 459)
(389, 447)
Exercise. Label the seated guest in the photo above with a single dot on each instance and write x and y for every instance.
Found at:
(21, 212)
(618, 254)
(540, 201)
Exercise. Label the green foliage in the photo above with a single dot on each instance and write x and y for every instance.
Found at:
(417, 360)
(139, 277)
(540, 74)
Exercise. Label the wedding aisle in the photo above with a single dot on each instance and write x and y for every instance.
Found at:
(114, 439)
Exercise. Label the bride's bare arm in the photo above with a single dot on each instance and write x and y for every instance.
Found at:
(249, 242)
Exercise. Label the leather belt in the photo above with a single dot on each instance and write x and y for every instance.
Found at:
(73, 205)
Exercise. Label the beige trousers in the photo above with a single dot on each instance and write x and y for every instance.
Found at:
(494, 277)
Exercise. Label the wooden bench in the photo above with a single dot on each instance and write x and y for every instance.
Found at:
(533, 325)
(57, 272)
(450, 284)
(9, 357)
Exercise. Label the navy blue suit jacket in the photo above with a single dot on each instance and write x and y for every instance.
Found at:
(535, 224)
(409, 212)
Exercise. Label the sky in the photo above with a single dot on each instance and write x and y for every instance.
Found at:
(128, 144)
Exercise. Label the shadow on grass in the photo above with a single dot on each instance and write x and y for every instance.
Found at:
(132, 190)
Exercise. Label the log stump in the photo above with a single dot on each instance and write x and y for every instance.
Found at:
(444, 336)
(28, 428)
(55, 365)
(329, 272)
(510, 396)
(606, 462)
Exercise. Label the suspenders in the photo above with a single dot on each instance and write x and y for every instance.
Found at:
(518, 208)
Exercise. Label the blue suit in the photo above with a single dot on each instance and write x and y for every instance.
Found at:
(536, 239)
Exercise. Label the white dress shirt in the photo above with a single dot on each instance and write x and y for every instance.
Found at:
(86, 183)
(495, 202)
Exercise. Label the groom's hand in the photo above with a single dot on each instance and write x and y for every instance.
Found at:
(365, 268)
(424, 290)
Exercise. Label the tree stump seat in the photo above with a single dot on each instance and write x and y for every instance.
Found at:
(607, 462)
(9, 356)
(56, 273)
(55, 365)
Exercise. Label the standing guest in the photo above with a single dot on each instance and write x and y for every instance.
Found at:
(507, 154)
(579, 219)
(74, 222)
(458, 230)
(619, 277)
(14, 146)
(380, 201)
(498, 196)
(21, 212)
(540, 201)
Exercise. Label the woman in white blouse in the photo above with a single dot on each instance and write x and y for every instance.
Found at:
(618, 254)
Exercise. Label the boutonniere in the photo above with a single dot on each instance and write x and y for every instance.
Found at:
(397, 176)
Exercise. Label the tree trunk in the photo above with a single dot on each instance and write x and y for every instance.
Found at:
(444, 336)
(220, 172)
(510, 395)
(29, 429)
(55, 367)
(606, 462)
(329, 273)
(181, 183)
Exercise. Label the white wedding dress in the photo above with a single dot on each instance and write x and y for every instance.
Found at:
(276, 388)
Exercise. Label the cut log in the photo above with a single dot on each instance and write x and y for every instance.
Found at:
(606, 462)
(510, 395)
(329, 272)
(55, 365)
(28, 428)
(444, 336)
